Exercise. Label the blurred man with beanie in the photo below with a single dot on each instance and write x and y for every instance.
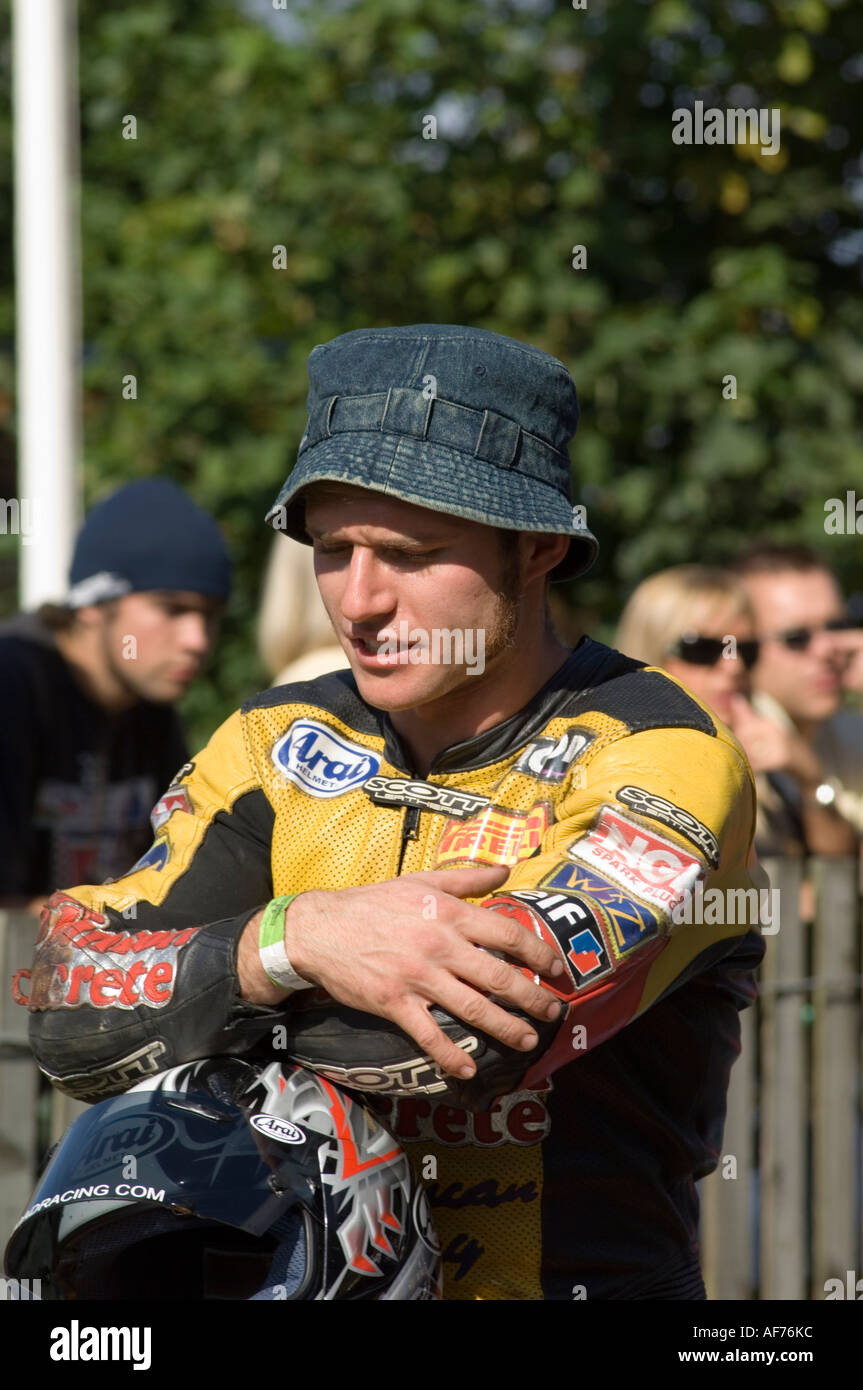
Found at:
(89, 736)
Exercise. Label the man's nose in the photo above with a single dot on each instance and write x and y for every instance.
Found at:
(196, 632)
(368, 590)
(825, 646)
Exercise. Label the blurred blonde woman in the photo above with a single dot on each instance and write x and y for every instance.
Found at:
(295, 638)
(696, 623)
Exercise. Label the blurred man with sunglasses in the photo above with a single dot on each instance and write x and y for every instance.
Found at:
(797, 699)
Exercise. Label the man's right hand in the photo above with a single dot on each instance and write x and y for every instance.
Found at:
(394, 949)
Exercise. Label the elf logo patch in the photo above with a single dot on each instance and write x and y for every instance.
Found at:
(565, 922)
(320, 761)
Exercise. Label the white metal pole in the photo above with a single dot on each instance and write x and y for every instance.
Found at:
(47, 255)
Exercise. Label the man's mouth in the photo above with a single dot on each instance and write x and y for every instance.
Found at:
(383, 650)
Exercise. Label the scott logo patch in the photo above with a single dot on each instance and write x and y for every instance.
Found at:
(647, 865)
(645, 803)
(549, 759)
(283, 1131)
(321, 762)
(414, 1075)
(495, 836)
(401, 791)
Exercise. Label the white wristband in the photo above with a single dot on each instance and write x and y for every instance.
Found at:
(271, 946)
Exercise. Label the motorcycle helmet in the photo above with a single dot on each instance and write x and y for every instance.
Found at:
(221, 1179)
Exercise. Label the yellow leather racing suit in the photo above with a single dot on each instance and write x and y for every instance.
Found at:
(617, 800)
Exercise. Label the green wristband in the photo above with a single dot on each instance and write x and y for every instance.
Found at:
(271, 946)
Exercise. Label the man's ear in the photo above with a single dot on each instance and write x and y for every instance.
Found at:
(94, 615)
(89, 616)
(541, 553)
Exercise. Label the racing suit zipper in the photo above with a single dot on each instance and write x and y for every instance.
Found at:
(410, 831)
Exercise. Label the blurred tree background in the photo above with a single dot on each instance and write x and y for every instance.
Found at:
(302, 127)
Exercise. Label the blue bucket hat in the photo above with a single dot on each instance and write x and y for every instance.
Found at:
(460, 420)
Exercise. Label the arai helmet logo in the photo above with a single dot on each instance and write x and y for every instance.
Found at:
(138, 1132)
(321, 761)
(281, 1130)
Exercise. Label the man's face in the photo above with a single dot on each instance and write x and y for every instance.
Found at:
(395, 577)
(154, 643)
(806, 682)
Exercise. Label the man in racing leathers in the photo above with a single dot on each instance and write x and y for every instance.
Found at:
(555, 1054)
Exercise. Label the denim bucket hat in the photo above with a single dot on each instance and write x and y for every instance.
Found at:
(460, 420)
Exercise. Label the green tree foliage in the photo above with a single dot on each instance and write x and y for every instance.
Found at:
(305, 128)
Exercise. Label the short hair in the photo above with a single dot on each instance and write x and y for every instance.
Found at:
(59, 617)
(772, 557)
(56, 617)
(675, 601)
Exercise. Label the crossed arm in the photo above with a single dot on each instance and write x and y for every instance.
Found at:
(373, 949)
(125, 983)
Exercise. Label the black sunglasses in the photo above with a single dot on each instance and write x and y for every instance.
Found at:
(706, 651)
(797, 639)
